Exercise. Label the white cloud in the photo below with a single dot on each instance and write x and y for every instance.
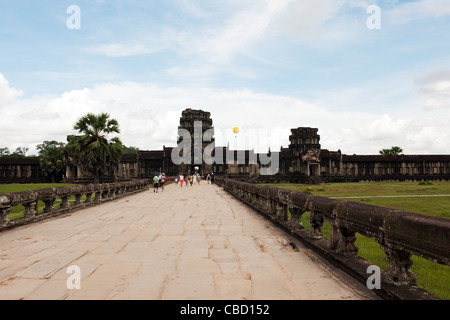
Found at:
(434, 87)
(429, 138)
(28, 122)
(258, 21)
(383, 128)
(406, 12)
(209, 37)
(305, 18)
(149, 115)
(244, 27)
(7, 94)
(115, 50)
(436, 8)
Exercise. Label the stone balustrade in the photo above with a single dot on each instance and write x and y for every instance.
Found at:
(82, 196)
(400, 234)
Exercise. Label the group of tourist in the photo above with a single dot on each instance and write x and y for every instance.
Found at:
(193, 179)
(159, 181)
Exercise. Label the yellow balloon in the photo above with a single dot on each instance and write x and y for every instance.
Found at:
(235, 129)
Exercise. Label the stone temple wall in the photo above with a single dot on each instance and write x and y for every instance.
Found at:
(21, 170)
(303, 161)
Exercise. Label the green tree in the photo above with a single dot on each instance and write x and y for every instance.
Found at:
(92, 150)
(4, 151)
(21, 152)
(130, 150)
(394, 151)
(52, 157)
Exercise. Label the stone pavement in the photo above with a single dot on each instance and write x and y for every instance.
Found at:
(184, 243)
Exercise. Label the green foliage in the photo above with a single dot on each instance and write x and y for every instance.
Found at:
(52, 156)
(21, 152)
(394, 151)
(4, 151)
(92, 151)
(130, 150)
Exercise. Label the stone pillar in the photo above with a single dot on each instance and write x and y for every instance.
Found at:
(98, 195)
(64, 202)
(88, 197)
(316, 221)
(283, 213)
(343, 240)
(296, 216)
(68, 172)
(4, 211)
(48, 205)
(399, 272)
(30, 209)
(78, 199)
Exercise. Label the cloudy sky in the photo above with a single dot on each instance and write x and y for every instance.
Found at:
(264, 66)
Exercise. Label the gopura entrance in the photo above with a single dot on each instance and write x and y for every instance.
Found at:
(305, 146)
(190, 121)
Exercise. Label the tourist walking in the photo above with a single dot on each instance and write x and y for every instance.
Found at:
(155, 183)
(162, 181)
(181, 180)
(212, 178)
(208, 178)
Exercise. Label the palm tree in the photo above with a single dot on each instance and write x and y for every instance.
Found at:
(92, 150)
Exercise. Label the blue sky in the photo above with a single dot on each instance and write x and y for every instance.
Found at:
(265, 66)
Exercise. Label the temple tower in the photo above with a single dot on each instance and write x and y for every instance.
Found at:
(305, 148)
(196, 122)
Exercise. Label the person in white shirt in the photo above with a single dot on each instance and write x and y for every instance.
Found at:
(181, 180)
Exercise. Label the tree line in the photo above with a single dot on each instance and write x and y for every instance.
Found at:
(96, 150)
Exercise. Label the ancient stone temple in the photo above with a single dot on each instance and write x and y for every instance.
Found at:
(22, 170)
(305, 151)
(199, 125)
(302, 161)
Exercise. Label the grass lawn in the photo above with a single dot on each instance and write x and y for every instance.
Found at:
(17, 211)
(433, 277)
(7, 188)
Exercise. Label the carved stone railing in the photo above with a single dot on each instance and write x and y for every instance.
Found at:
(94, 194)
(400, 234)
